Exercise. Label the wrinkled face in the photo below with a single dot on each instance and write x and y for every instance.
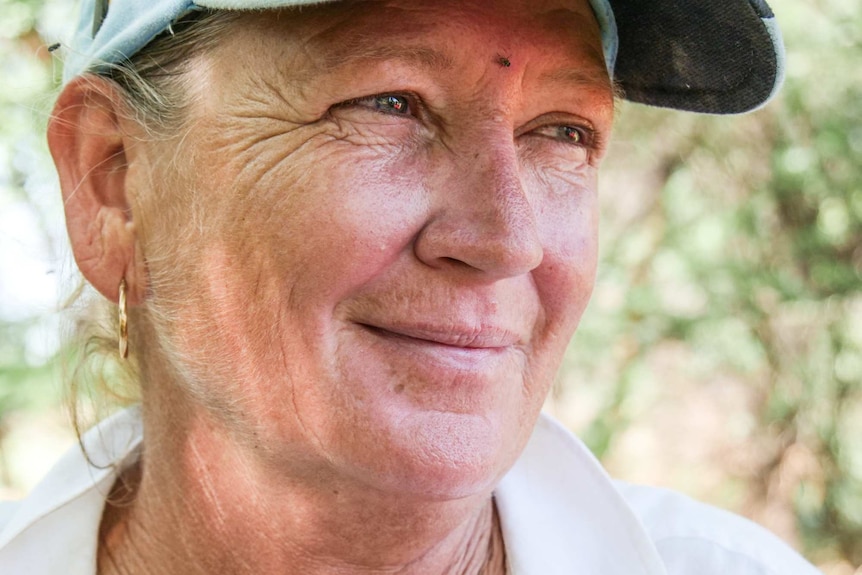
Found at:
(394, 211)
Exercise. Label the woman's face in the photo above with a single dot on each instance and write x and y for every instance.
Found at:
(388, 213)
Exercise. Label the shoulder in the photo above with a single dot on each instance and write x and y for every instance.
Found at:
(7, 511)
(692, 537)
(55, 528)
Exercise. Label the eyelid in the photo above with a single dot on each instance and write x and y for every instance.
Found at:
(592, 147)
(414, 103)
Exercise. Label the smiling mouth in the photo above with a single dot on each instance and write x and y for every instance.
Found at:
(486, 338)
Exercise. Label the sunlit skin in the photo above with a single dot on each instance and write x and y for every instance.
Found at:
(385, 239)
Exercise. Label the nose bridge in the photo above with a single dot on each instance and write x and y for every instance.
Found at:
(487, 219)
(494, 188)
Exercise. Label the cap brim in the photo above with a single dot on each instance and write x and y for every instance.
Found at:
(699, 55)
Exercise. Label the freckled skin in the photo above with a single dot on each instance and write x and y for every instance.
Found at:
(384, 286)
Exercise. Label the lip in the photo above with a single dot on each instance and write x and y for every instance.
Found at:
(458, 337)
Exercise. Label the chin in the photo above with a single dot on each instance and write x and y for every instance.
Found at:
(441, 456)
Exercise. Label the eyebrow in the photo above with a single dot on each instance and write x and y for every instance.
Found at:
(588, 76)
(356, 52)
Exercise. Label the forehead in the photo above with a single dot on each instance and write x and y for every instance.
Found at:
(562, 32)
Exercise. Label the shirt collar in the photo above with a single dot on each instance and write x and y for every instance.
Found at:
(55, 529)
(560, 513)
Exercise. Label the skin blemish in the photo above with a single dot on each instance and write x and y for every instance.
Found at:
(503, 61)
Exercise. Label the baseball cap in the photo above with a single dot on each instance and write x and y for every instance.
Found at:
(708, 56)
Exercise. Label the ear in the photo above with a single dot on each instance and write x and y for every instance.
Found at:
(92, 156)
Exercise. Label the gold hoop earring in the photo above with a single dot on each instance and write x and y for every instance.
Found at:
(123, 334)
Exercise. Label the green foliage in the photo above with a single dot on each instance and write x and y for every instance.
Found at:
(741, 239)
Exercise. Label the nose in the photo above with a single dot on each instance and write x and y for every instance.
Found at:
(484, 220)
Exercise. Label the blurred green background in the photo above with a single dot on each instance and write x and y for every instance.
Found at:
(722, 352)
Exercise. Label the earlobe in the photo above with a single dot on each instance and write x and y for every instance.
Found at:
(91, 151)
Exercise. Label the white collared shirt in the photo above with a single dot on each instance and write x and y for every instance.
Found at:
(560, 513)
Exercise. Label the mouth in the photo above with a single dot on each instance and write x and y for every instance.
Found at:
(432, 357)
(488, 338)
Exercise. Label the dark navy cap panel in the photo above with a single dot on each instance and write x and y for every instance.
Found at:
(702, 56)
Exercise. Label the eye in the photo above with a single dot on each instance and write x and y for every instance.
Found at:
(571, 134)
(576, 135)
(394, 104)
(564, 138)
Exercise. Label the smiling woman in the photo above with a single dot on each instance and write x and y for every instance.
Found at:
(354, 248)
(349, 267)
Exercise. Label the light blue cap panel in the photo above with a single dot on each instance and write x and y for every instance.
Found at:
(610, 41)
(127, 27)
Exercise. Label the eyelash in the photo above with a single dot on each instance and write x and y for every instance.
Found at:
(586, 136)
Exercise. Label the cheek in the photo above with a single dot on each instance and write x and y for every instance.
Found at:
(333, 221)
(283, 245)
(569, 230)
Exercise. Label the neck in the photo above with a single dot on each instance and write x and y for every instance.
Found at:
(206, 505)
